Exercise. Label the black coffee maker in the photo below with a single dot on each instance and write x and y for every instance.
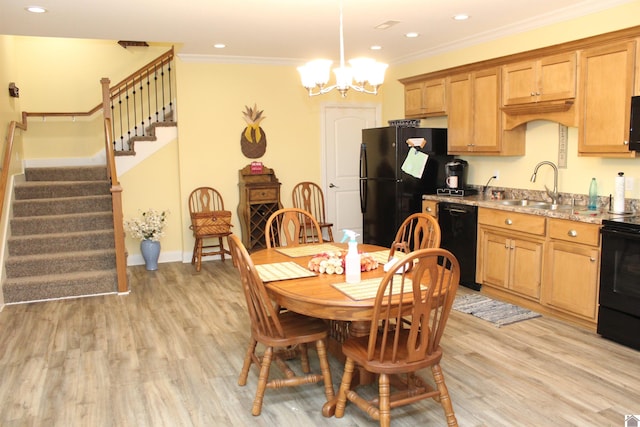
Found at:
(456, 174)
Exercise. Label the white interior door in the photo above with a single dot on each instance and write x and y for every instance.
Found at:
(342, 126)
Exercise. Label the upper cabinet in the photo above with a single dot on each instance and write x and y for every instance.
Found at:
(606, 87)
(475, 120)
(586, 83)
(552, 78)
(425, 98)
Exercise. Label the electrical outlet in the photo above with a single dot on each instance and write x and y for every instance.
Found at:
(496, 173)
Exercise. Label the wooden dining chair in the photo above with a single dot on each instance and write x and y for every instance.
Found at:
(417, 231)
(281, 333)
(309, 196)
(291, 227)
(396, 351)
(209, 221)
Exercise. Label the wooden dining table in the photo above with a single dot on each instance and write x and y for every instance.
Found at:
(325, 296)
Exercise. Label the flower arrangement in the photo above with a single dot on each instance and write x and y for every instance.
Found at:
(149, 227)
(333, 262)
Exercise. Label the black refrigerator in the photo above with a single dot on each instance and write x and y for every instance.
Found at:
(388, 194)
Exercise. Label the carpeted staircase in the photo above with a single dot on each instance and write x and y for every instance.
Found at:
(61, 241)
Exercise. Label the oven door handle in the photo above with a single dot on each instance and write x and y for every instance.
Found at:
(618, 233)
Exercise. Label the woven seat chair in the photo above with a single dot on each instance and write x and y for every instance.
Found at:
(209, 221)
(396, 351)
(288, 332)
(291, 227)
(309, 196)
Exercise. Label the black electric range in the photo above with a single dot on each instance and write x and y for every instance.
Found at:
(619, 298)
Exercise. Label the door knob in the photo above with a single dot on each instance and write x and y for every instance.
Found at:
(332, 185)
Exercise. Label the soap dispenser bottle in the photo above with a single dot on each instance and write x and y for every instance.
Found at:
(593, 195)
(352, 259)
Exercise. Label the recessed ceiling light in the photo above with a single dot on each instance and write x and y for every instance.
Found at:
(411, 35)
(219, 45)
(461, 17)
(376, 47)
(36, 9)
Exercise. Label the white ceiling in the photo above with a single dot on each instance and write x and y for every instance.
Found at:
(292, 31)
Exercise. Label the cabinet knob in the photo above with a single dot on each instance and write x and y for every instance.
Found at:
(592, 259)
(625, 142)
(533, 94)
(428, 209)
(572, 233)
(508, 221)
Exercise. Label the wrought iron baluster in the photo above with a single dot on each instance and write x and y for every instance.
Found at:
(149, 96)
(155, 81)
(170, 97)
(142, 105)
(135, 112)
(120, 120)
(126, 97)
(164, 114)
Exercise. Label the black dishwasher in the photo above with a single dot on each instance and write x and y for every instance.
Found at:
(459, 228)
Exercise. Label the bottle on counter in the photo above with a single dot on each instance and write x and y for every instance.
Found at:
(593, 195)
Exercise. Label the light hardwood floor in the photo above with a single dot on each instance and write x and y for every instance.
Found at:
(169, 354)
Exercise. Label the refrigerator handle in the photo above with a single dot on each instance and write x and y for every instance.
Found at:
(363, 177)
(363, 161)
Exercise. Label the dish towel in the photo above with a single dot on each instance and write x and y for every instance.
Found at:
(415, 162)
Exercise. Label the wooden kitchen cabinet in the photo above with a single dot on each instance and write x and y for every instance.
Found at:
(606, 87)
(572, 269)
(259, 198)
(474, 117)
(510, 251)
(551, 78)
(425, 98)
(430, 207)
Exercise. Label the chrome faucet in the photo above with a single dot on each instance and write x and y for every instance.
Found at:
(553, 194)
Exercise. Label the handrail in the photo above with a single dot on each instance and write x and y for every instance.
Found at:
(6, 161)
(116, 193)
(151, 66)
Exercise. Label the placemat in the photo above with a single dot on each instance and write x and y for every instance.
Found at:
(282, 271)
(367, 289)
(381, 256)
(300, 251)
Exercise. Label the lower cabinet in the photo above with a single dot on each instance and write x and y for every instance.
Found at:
(549, 265)
(572, 269)
(513, 263)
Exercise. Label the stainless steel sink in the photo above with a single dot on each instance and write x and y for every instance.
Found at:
(533, 204)
(523, 202)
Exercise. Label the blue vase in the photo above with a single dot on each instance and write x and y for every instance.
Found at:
(150, 252)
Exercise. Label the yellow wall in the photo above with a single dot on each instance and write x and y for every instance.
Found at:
(212, 96)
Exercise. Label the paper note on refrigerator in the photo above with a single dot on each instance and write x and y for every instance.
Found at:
(415, 162)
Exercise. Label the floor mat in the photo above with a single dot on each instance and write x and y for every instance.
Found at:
(497, 312)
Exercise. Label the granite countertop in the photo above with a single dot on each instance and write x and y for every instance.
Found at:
(579, 213)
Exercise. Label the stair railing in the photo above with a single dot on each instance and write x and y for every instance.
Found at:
(156, 75)
(6, 160)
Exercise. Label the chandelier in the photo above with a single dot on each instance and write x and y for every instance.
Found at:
(364, 74)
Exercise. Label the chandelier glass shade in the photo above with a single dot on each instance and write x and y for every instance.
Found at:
(362, 75)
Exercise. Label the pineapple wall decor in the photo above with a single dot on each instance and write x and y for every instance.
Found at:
(253, 140)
